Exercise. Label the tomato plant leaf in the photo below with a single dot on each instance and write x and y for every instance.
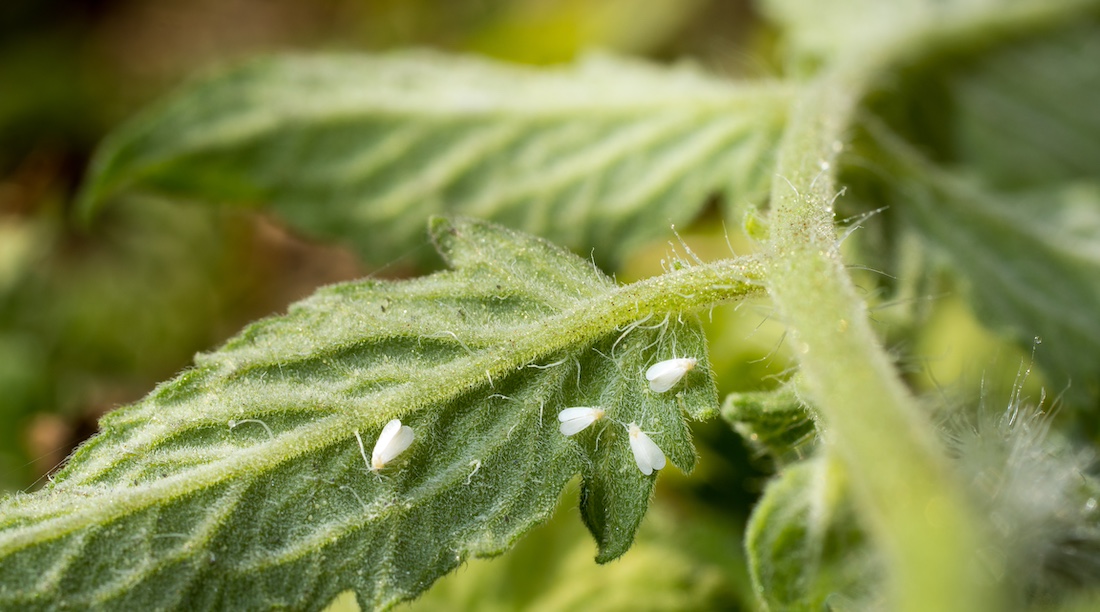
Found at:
(364, 148)
(776, 423)
(806, 550)
(992, 160)
(1031, 266)
(1022, 115)
(242, 483)
(1029, 261)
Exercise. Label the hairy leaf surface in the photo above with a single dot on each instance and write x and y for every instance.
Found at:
(776, 423)
(241, 484)
(365, 148)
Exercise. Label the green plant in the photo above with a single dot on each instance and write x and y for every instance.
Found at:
(966, 136)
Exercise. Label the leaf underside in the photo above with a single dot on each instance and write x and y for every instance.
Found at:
(363, 148)
(1011, 201)
(240, 484)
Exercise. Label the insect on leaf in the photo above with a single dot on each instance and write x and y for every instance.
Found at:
(243, 483)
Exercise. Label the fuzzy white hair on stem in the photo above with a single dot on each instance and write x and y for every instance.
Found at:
(647, 454)
(575, 420)
(393, 441)
(664, 375)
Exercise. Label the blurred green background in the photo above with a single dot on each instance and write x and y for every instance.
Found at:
(92, 317)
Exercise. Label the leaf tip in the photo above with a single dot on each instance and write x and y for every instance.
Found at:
(443, 230)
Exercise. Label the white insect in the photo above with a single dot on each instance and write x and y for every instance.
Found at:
(574, 420)
(393, 441)
(664, 375)
(647, 454)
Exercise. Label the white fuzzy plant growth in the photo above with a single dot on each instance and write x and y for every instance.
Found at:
(1037, 490)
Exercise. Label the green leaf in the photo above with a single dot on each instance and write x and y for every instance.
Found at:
(776, 423)
(241, 483)
(1029, 261)
(603, 154)
(1024, 117)
(993, 160)
(1032, 267)
(806, 551)
(817, 29)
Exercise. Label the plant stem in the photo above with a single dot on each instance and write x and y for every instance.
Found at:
(912, 503)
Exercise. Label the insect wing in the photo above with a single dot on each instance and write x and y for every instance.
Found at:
(401, 440)
(574, 420)
(664, 375)
(647, 454)
(393, 440)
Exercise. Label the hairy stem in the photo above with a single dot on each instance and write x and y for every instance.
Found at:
(912, 503)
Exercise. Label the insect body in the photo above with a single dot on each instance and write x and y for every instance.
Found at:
(664, 375)
(574, 420)
(647, 454)
(393, 441)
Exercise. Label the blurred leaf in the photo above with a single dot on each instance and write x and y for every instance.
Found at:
(21, 245)
(23, 378)
(1086, 601)
(97, 322)
(241, 484)
(805, 549)
(816, 31)
(993, 160)
(1024, 117)
(775, 423)
(599, 156)
(1031, 261)
(820, 29)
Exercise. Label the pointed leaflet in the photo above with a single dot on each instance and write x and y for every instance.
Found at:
(241, 484)
(364, 148)
(776, 423)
